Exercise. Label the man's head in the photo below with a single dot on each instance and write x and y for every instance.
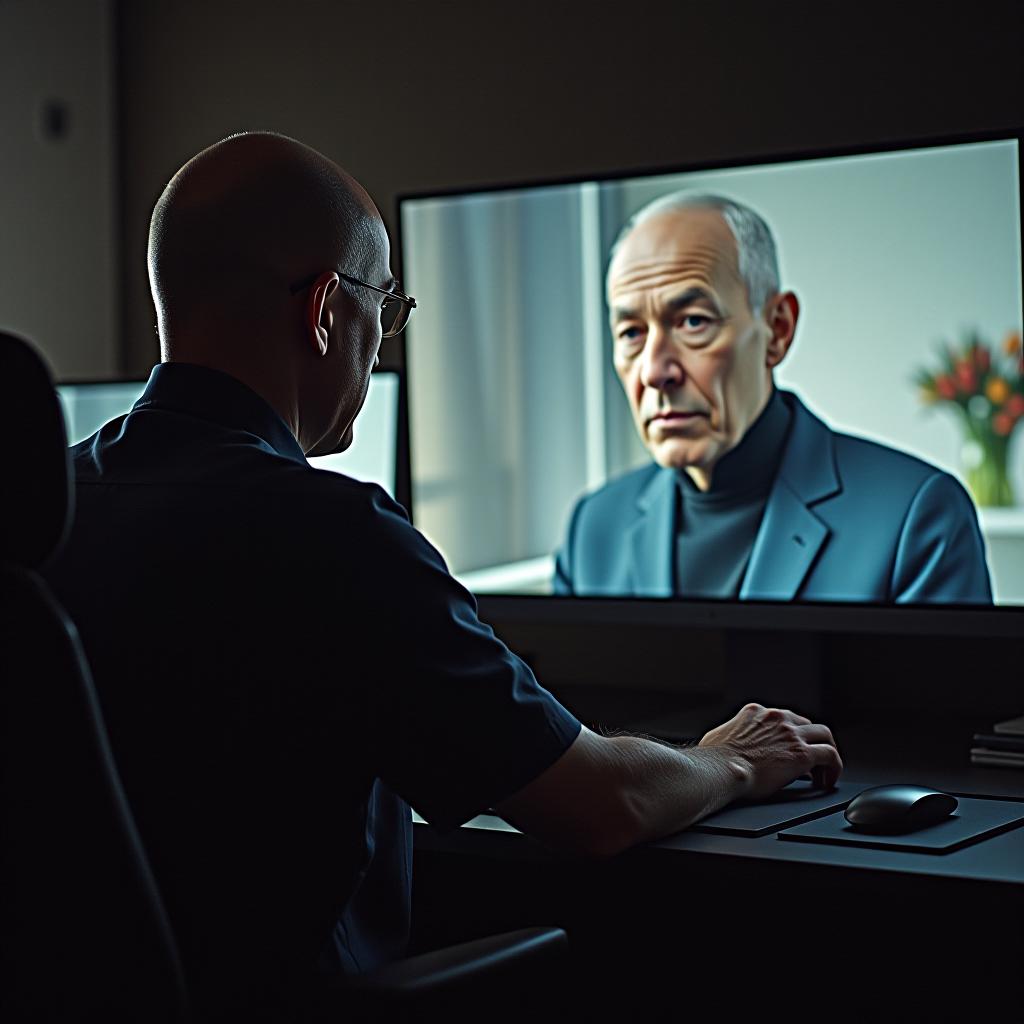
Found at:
(698, 323)
(233, 231)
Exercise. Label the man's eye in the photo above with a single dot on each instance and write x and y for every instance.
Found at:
(629, 334)
(696, 322)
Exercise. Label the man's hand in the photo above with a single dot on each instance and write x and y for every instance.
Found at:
(779, 746)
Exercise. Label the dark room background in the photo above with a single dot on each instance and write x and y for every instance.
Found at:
(102, 100)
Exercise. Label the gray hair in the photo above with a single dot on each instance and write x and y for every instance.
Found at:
(755, 246)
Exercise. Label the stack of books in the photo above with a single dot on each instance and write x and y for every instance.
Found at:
(1004, 746)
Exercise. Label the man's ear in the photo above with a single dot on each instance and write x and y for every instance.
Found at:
(319, 319)
(782, 314)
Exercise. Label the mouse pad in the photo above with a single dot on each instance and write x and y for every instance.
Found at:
(972, 821)
(799, 801)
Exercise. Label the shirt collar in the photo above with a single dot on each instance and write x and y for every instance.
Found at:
(220, 398)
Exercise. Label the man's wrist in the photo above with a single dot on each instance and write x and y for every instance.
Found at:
(733, 773)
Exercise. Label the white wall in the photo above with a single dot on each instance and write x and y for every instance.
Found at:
(58, 263)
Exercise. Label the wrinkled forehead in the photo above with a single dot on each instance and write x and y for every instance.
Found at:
(674, 246)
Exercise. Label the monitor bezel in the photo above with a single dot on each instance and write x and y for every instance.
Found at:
(733, 614)
(1005, 134)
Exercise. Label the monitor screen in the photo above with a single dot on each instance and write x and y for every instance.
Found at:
(372, 456)
(795, 380)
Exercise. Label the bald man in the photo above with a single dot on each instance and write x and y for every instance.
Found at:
(285, 663)
(749, 495)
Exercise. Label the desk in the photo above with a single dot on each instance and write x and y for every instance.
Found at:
(677, 921)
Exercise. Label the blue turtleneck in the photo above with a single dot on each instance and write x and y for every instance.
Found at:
(716, 528)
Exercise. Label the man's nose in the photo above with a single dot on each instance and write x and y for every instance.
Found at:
(660, 364)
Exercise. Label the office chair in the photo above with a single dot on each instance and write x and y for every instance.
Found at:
(84, 935)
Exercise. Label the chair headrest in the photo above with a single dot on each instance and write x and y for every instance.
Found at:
(36, 509)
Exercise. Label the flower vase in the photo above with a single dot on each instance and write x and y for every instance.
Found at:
(985, 458)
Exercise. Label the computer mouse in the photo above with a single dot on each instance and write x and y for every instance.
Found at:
(895, 809)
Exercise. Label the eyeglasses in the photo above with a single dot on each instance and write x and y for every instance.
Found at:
(395, 312)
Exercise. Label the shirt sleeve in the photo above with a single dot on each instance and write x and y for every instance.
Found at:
(463, 722)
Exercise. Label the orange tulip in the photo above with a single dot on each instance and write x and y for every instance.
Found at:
(1011, 346)
(997, 390)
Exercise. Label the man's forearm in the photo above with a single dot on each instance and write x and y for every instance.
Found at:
(668, 788)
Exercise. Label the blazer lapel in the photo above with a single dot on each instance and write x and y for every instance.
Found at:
(652, 538)
(791, 534)
(786, 545)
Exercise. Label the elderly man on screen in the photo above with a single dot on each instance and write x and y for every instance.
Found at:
(749, 495)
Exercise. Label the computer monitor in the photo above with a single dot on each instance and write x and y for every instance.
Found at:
(372, 457)
(906, 264)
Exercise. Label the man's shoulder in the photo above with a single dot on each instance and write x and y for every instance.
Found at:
(331, 490)
(329, 504)
(861, 458)
(869, 490)
(593, 539)
(240, 479)
(330, 484)
(874, 457)
(219, 461)
(622, 492)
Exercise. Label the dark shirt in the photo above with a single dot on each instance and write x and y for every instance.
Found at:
(716, 528)
(284, 664)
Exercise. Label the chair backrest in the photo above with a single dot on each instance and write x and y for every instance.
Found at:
(83, 932)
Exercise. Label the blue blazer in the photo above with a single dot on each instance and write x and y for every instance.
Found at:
(846, 520)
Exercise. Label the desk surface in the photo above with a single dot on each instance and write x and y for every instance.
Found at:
(998, 859)
(633, 918)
